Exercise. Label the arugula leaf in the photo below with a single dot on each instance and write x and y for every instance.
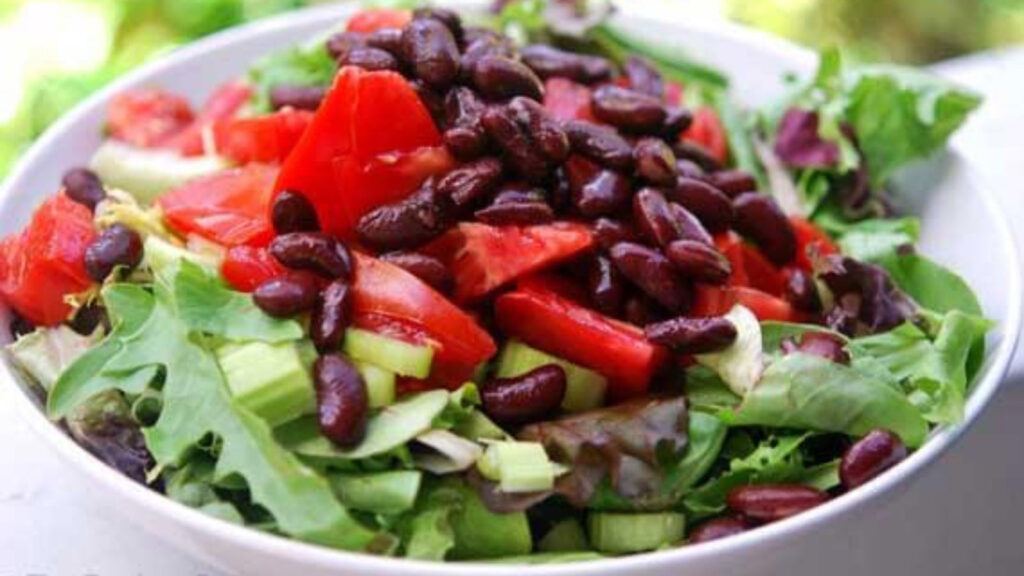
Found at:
(807, 392)
(299, 66)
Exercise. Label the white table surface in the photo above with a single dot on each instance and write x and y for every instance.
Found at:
(962, 516)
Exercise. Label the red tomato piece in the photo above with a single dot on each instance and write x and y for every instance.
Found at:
(567, 100)
(673, 93)
(749, 267)
(560, 327)
(374, 19)
(267, 139)
(482, 257)
(147, 117)
(718, 300)
(246, 267)
(809, 237)
(229, 208)
(707, 131)
(348, 162)
(553, 284)
(223, 104)
(46, 262)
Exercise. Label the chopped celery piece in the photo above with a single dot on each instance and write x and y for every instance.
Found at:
(584, 390)
(379, 493)
(518, 467)
(477, 426)
(393, 355)
(146, 174)
(566, 536)
(159, 254)
(380, 384)
(480, 533)
(269, 379)
(613, 533)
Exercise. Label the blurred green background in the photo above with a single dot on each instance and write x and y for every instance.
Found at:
(53, 53)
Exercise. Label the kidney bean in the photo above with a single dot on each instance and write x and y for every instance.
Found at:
(759, 218)
(771, 502)
(596, 191)
(84, 187)
(601, 144)
(433, 101)
(641, 311)
(471, 34)
(526, 398)
(559, 194)
(655, 161)
(690, 225)
(522, 213)
(332, 314)
(677, 121)
(652, 272)
(628, 110)
(697, 154)
(692, 335)
(297, 97)
(500, 77)
(470, 184)
(88, 318)
(608, 232)
(481, 48)
(819, 344)
(386, 39)
(606, 286)
(465, 137)
(545, 132)
(690, 169)
(710, 206)
(873, 454)
(530, 141)
(407, 223)
(449, 18)
(717, 528)
(699, 261)
(342, 402)
(653, 218)
(313, 251)
(116, 246)
(427, 268)
(802, 292)
(367, 58)
(286, 296)
(732, 182)
(431, 50)
(292, 212)
(643, 76)
(550, 62)
(339, 44)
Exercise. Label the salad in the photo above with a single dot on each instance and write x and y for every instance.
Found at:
(517, 286)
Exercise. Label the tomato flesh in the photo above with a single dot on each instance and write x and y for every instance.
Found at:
(482, 258)
(246, 267)
(46, 262)
(230, 208)
(561, 327)
(374, 19)
(147, 117)
(223, 104)
(267, 139)
(718, 300)
(810, 238)
(567, 100)
(749, 267)
(707, 132)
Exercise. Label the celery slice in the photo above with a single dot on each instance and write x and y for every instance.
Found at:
(393, 355)
(391, 492)
(380, 384)
(518, 467)
(268, 379)
(613, 533)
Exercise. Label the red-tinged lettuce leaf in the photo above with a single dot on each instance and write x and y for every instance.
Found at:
(867, 300)
(799, 143)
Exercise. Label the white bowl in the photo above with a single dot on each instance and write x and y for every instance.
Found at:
(962, 227)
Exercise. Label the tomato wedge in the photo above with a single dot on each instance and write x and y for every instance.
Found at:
(348, 163)
(560, 327)
(229, 208)
(382, 290)
(46, 262)
(567, 100)
(246, 267)
(267, 139)
(809, 237)
(718, 300)
(147, 117)
(374, 19)
(749, 267)
(707, 131)
(482, 257)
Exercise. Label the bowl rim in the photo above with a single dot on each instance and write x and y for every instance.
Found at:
(196, 522)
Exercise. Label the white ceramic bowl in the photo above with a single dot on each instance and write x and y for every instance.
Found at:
(962, 227)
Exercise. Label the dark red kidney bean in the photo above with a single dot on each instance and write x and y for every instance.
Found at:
(546, 133)
(297, 97)
(427, 268)
(408, 223)
(608, 232)
(699, 261)
(759, 218)
(697, 154)
(717, 528)
(339, 44)
(20, 326)
(481, 48)
(868, 457)
(524, 213)
(653, 273)
(517, 193)
(690, 169)
(819, 344)
(433, 101)
(802, 292)
(692, 335)
(601, 144)
(88, 318)
(628, 110)
(532, 143)
(641, 311)
(559, 194)
(430, 49)
(332, 314)
(772, 502)
(367, 58)
(292, 212)
(387, 39)
(643, 76)
(526, 398)
(655, 161)
(691, 226)
(84, 187)
(707, 203)
(286, 296)
(471, 34)
(466, 137)
(472, 183)
(115, 246)
(606, 287)
(596, 191)
(500, 77)
(550, 62)
(654, 219)
(342, 402)
(449, 18)
(313, 251)
(677, 121)
(732, 182)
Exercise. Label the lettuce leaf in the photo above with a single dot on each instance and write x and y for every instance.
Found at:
(299, 66)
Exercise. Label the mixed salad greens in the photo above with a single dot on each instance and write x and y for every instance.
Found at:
(517, 286)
